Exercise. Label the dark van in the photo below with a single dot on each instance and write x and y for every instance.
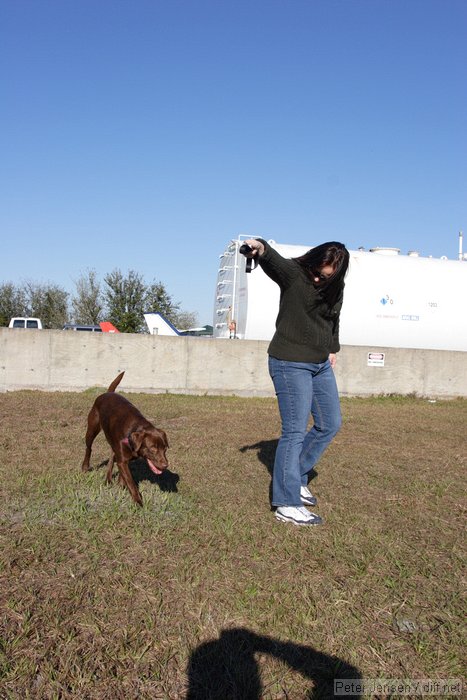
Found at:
(80, 327)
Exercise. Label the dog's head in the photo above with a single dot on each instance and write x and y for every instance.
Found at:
(151, 444)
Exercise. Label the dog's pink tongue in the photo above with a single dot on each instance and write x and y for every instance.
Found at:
(153, 467)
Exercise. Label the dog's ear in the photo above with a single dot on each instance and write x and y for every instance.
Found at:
(164, 437)
(137, 438)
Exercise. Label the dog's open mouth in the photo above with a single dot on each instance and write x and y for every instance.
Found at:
(153, 467)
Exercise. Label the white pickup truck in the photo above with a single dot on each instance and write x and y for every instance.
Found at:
(24, 322)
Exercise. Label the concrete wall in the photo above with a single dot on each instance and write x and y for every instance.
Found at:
(74, 361)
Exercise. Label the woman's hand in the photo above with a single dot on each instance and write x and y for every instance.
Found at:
(257, 246)
(333, 359)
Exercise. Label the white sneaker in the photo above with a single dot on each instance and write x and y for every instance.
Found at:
(298, 516)
(307, 497)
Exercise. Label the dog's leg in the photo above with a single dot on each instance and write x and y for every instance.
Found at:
(128, 479)
(94, 427)
(110, 467)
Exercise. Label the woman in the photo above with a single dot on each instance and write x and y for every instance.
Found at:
(302, 355)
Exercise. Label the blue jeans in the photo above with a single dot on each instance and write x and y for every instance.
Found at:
(302, 388)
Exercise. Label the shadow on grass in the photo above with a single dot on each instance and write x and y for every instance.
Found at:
(226, 668)
(266, 451)
(167, 481)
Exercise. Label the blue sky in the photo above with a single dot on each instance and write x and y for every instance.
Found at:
(146, 134)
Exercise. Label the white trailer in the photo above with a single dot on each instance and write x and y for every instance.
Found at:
(390, 300)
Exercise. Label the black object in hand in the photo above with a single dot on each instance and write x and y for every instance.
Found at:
(245, 248)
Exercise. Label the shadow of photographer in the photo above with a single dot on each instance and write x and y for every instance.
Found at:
(226, 668)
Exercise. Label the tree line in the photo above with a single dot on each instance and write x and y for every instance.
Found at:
(120, 299)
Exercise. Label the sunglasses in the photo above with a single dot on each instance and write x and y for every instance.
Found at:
(320, 276)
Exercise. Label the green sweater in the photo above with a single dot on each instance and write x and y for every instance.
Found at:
(307, 330)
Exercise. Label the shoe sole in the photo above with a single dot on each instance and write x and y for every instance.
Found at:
(306, 523)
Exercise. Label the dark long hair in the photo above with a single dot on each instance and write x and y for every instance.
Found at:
(334, 254)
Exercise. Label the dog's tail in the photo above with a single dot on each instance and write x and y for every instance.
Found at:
(116, 382)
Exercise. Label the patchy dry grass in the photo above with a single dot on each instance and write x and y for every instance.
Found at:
(202, 594)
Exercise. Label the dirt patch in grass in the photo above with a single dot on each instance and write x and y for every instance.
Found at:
(201, 594)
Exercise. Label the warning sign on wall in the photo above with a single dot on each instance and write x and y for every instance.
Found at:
(376, 359)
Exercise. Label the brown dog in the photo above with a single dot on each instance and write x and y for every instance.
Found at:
(129, 435)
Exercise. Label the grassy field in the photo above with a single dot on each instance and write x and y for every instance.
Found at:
(202, 595)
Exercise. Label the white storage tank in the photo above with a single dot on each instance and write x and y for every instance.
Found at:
(390, 299)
